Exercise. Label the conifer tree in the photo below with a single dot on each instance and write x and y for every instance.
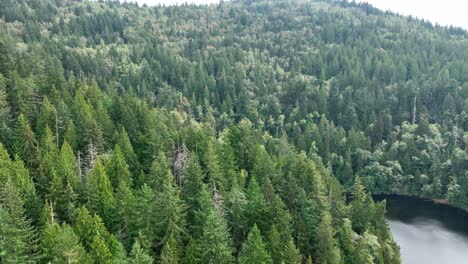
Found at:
(158, 172)
(214, 173)
(100, 197)
(21, 178)
(170, 253)
(170, 211)
(276, 246)
(25, 143)
(235, 214)
(18, 240)
(48, 155)
(139, 256)
(256, 209)
(359, 210)
(59, 244)
(215, 244)
(254, 250)
(127, 150)
(117, 169)
(127, 212)
(145, 213)
(192, 187)
(5, 164)
(99, 251)
(292, 254)
(191, 252)
(67, 166)
(326, 247)
(204, 205)
(5, 112)
(46, 118)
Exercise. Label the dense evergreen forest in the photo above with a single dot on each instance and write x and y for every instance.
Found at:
(227, 133)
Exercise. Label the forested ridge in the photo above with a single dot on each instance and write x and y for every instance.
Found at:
(225, 133)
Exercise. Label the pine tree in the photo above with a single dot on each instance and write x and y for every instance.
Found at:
(236, 204)
(18, 238)
(5, 112)
(5, 165)
(46, 118)
(71, 135)
(276, 246)
(139, 256)
(127, 150)
(87, 226)
(170, 211)
(191, 253)
(264, 167)
(254, 250)
(117, 169)
(65, 183)
(100, 197)
(67, 166)
(204, 205)
(170, 253)
(256, 209)
(326, 247)
(359, 211)
(21, 178)
(192, 186)
(127, 212)
(145, 213)
(48, 155)
(158, 172)
(64, 198)
(99, 251)
(59, 244)
(213, 168)
(292, 254)
(281, 217)
(215, 243)
(345, 239)
(25, 144)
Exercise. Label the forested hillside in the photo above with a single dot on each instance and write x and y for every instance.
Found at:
(222, 134)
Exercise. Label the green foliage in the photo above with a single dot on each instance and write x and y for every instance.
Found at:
(139, 256)
(326, 245)
(170, 212)
(170, 253)
(18, 237)
(99, 194)
(254, 250)
(59, 244)
(175, 141)
(256, 210)
(216, 243)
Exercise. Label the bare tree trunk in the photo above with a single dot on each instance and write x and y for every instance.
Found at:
(414, 110)
(51, 213)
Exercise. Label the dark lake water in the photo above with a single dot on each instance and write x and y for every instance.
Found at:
(428, 233)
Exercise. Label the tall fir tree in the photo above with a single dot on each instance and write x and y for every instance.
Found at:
(254, 250)
(18, 243)
(216, 244)
(139, 256)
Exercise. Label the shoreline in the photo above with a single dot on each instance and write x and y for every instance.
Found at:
(437, 202)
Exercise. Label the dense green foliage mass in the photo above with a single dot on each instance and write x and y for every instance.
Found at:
(222, 133)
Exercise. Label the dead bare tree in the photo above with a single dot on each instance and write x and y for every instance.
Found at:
(181, 161)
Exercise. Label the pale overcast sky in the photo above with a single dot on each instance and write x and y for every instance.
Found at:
(444, 12)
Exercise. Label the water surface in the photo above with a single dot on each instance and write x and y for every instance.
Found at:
(428, 233)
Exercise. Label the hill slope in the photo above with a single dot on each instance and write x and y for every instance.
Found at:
(158, 133)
